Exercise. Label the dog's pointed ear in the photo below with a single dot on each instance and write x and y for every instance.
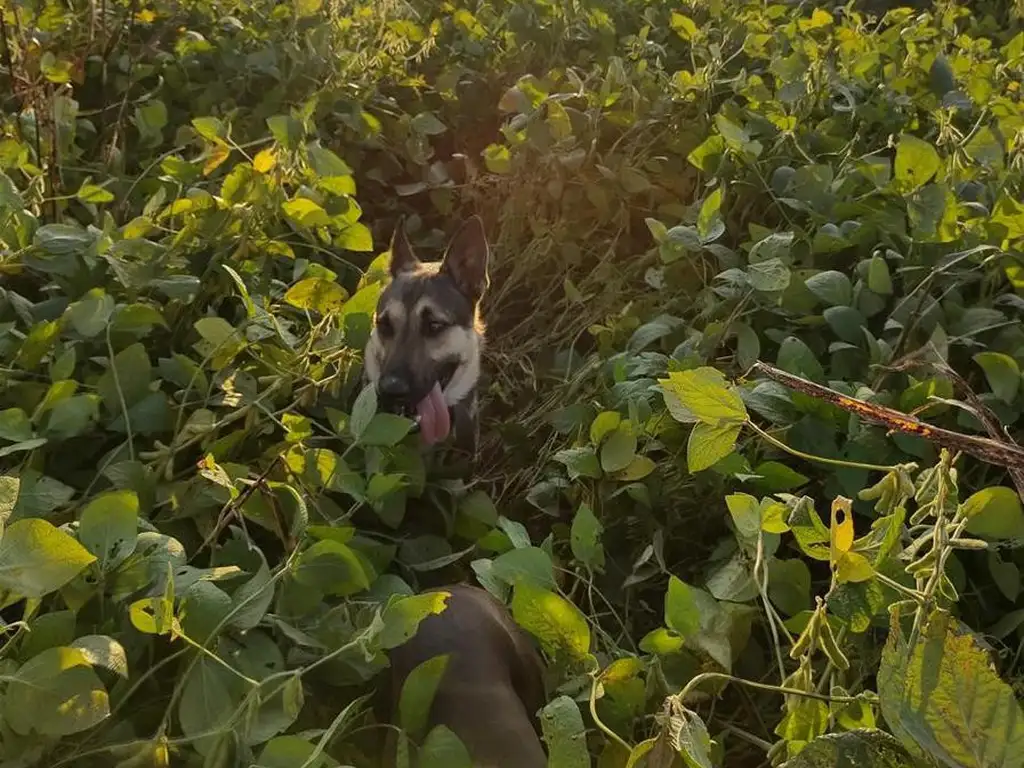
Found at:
(465, 261)
(403, 259)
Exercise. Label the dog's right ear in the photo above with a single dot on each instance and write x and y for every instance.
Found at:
(403, 260)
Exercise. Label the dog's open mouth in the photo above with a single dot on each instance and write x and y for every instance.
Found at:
(432, 414)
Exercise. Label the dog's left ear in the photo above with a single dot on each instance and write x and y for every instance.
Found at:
(465, 261)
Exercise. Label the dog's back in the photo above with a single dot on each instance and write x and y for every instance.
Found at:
(492, 688)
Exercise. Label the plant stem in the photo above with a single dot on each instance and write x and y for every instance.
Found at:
(820, 459)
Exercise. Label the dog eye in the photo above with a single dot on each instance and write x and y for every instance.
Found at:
(384, 327)
(434, 327)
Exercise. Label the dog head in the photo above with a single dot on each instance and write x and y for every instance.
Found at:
(423, 355)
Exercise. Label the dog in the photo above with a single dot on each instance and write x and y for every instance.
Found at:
(424, 352)
(492, 688)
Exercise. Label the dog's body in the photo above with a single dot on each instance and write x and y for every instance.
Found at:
(492, 688)
(424, 352)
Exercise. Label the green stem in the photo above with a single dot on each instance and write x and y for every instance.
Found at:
(705, 676)
(820, 459)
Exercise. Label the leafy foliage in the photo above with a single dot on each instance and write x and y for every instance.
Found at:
(210, 535)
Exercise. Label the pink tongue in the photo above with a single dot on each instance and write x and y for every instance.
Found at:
(435, 421)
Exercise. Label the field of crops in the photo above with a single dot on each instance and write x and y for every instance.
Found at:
(725, 236)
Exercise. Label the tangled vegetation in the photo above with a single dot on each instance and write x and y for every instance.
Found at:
(210, 536)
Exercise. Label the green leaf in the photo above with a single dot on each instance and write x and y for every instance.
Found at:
(683, 26)
(62, 239)
(580, 462)
(442, 749)
(683, 607)
(15, 425)
(128, 378)
(864, 747)
(403, 615)
(317, 294)
(91, 193)
(619, 449)
(917, 162)
(498, 159)
(942, 695)
(210, 128)
(103, 651)
(553, 620)
(109, 527)
(55, 693)
(418, 694)
(331, 567)
(427, 124)
(355, 237)
(604, 424)
(326, 163)
(705, 392)
(36, 558)
(707, 445)
(789, 585)
(363, 411)
(769, 275)
(995, 513)
(386, 430)
(530, 564)
(746, 515)
(9, 487)
(1002, 372)
(832, 288)
(305, 213)
(796, 357)
(289, 751)
(879, 278)
(585, 538)
(208, 702)
(565, 734)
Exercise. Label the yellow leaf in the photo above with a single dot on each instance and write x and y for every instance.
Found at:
(220, 153)
(265, 160)
(853, 567)
(842, 527)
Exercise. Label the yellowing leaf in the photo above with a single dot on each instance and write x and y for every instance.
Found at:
(305, 212)
(553, 620)
(842, 526)
(265, 160)
(318, 294)
(218, 154)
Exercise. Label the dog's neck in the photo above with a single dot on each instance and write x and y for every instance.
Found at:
(466, 421)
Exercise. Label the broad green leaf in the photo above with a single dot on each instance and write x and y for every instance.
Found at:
(585, 538)
(565, 734)
(619, 449)
(403, 615)
(796, 357)
(580, 462)
(426, 123)
(91, 314)
(879, 278)
(289, 751)
(126, 381)
(530, 564)
(109, 527)
(363, 411)
(305, 213)
(553, 620)
(36, 558)
(861, 747)
(707, 444)
(789, 585)
(943, 696)
(208, 702)
(442, 749)
(9, 487)
(15, 425)
(1002, 372)
(103, 651)
(705, 392)
(917, 161)
(56, 693)
(771, 275)
(332, 568)
(418, 694)
(386, 430)
(831, 287)
(995, 513)
(210, 128)
(604, 424)
(683, 606)
(317, 294)
(91, 193)
(746, 515)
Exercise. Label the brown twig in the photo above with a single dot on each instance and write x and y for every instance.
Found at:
(999, 452)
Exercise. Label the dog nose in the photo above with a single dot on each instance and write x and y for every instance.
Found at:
(394, 387)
